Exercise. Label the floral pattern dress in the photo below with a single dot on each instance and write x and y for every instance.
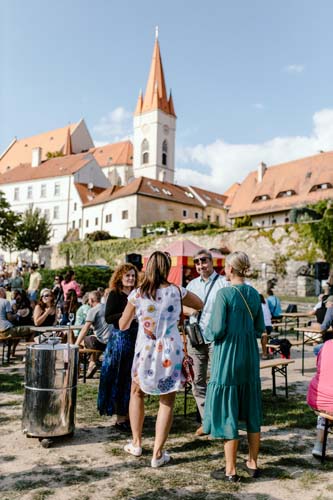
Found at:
(157, 363)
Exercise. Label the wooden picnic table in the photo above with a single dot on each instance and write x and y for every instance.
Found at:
(278, 366)
(304, 330)
(69, 329)
(295, 316)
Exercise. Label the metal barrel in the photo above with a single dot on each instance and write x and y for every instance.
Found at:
(51, 372)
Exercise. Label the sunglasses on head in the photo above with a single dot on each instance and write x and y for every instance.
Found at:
(202, 260)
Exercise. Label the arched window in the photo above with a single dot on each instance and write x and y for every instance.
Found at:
(164, 153)
(145, 151)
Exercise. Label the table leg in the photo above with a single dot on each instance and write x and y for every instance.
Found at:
(297, 324)
(303, 353)
(286, 379)
(273, 379)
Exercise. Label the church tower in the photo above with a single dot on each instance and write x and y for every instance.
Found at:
(155, 126)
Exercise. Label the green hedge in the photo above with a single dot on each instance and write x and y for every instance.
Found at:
(89, 276)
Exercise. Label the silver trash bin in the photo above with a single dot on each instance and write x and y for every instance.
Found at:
(50, 390)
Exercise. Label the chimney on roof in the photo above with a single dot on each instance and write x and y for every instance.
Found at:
(36, 159)
(262, 167)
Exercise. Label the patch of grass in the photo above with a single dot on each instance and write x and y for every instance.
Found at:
(26, 484)
(8, 458)
(114, 451)
(309, 478)
(293, 461)
(329, 487)
(286, 413)
(41, 495)
(11, 382)
(4, 419)
(15, 402)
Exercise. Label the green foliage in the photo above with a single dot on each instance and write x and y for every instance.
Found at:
(322, 232)
(91, 277)
(175, 226)
(304, 246)
(279, 264)
(245, 221)
(9, 221)
(54, 154)
(33, 231)
(111, 251)
(99, 236)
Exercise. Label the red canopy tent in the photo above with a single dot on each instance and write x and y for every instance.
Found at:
(183, 268)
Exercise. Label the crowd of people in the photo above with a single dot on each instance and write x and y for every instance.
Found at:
(135, 324)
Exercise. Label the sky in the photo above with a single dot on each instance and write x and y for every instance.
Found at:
(251, 80)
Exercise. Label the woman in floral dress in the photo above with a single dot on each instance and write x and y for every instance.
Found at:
(157, 364)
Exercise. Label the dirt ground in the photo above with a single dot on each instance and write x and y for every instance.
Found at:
(92, 464)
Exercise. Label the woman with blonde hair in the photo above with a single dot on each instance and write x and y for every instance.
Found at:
(233, 397)
(115, 381)
(157, 365)
(45, 312)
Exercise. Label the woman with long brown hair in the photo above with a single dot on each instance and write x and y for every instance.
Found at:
(115, 381)
(157, 365)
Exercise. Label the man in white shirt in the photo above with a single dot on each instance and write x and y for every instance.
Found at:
(204, 286)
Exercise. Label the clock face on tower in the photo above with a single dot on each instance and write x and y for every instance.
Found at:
(166, 129)
(145, 128)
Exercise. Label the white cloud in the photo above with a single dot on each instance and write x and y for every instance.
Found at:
(218, 165)
(294, 68)
(115, 126)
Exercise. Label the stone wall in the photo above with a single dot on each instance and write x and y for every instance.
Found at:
(262, 246)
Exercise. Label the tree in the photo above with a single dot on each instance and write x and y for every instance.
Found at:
(33, 231)
(322, 232)
(9, 221)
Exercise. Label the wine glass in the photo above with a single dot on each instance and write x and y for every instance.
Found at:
(71, 317)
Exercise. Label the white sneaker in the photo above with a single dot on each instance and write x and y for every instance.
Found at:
(136, 451)
(159, 462)
(317, 450)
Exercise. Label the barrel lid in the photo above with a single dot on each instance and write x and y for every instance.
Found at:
(53, 347)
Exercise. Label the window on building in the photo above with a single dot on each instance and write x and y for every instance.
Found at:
(29, 192)
(56, 188)
(56, 212)
(262, 222)
(217, 219)
(108, 218)
(124, 214)
(43, 191)
(164, 153)
(16, 194)
(208, 218)
(196, 215)
(73, 224)
(47, 213)
(80, 222)
(96, 221)
(184, 213)
(87, 222)
(273, 221)
(145, 151)
(286, 220)
(75, 206)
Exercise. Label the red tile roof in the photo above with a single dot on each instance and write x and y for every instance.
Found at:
(55, 167)
(150, 187)
(299, 176)
(118, 153)
(210, 198)
(87, 194)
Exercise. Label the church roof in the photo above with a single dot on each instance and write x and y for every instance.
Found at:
(209, 198)
(118, 153)
(287, 185)
(156, 95)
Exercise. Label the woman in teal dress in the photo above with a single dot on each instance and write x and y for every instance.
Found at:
(233, 397)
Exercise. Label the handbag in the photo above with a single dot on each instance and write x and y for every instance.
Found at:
(193, 330)
(187, 363)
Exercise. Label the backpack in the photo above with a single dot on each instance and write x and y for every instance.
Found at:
(321, 311)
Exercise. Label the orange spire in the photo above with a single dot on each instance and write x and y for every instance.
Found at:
(68, 146)
(156, 83)
(139, 104)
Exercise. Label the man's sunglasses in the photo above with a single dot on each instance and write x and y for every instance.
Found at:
(202, 260)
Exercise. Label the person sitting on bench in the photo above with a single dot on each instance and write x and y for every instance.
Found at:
(320, 391)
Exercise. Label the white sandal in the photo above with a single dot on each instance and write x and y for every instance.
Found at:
(136, 451)
(159, 462)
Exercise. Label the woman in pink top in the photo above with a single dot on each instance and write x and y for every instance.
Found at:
(69, 283)
(320, 391)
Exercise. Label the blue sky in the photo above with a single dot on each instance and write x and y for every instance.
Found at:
(251, 80)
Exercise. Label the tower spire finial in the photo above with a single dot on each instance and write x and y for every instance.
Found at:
(156, 32)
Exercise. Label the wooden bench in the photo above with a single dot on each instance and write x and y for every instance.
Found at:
(328, 424)
(8, 342)
(85, 352)
(277, 366)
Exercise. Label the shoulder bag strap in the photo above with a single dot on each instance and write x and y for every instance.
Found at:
(181, 323)
(207, 295)
(247, 305)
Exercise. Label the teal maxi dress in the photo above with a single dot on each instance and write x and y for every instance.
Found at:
(233, 398)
